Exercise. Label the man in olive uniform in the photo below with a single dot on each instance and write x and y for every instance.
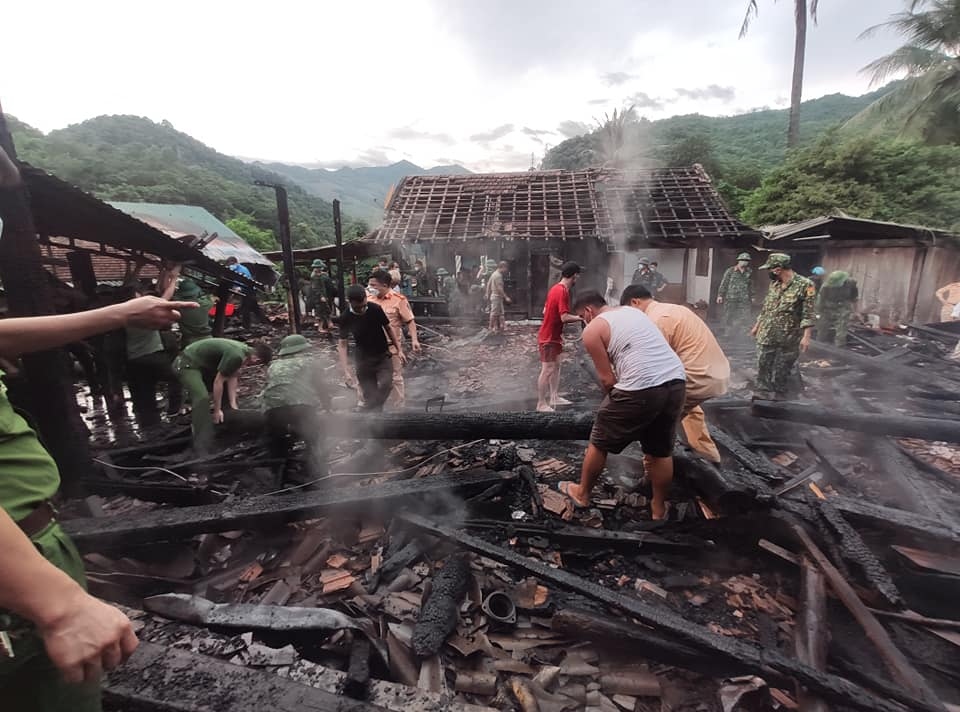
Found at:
(209, 370)
(290, 400)
(321, 294)
(835, 303)
(60, 637)
(736, 295)
(649, 277)
(194, 323)
(783, 327)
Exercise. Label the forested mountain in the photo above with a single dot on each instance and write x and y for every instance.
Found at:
(360, 190)
(131, 158)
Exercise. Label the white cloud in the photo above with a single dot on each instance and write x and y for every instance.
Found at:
(343, 82)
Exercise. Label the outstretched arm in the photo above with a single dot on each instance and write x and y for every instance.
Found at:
(36, 333)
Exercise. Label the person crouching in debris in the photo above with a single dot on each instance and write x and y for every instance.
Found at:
(290, 400)
(373, 337)
(399, 314)
(783, 327)
(706, 366)
(835, 303)
(210, 371)
(645, 386)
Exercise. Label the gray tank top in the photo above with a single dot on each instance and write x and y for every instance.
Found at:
(641, 357)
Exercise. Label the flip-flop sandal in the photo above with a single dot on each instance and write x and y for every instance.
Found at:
(562, 488)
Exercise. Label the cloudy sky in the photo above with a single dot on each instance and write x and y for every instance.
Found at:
(484, 83)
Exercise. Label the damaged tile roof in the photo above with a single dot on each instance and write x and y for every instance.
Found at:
(666, 205)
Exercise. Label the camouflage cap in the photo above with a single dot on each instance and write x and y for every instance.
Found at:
(744, 256)
(317, 263)
(644, 261)
(777, 259)
(293, 344)
(442, 272)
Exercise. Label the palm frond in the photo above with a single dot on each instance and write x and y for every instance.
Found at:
(752, 11)
(910, 59)
(813, 10)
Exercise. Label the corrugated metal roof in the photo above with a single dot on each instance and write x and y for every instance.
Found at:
(183, 220)
(852, 228)
(666, 205)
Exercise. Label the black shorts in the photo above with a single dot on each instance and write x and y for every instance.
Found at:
(649, 417)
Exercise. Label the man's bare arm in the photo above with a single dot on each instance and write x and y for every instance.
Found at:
(569, 318)
(36, 333)
(80, 633)
(344, 361)
(594, 342)
(233, 386)
(217, 398)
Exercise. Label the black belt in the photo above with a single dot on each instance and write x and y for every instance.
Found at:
(39, 519)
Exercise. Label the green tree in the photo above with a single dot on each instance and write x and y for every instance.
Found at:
(928, 101)
(799, 56)
(259, 239)
(866, 177)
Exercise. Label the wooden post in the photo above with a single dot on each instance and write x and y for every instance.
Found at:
(29, 294)
(812, 636)
(338, 236)
(220, 316)
(81, 270)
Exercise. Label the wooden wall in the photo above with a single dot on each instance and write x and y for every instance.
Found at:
(885, 276)
(941, 267)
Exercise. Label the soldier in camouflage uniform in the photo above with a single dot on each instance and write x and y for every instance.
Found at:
(321, 289)
(647, 275)
(835, 303)
(736, 295)
(783, 327)
(294, 393)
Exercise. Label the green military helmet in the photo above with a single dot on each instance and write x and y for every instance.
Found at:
(644, 261)
(293, 344)
(442, 272)
(776, 259)
(317, 264)
(188, 289)
(744, 256)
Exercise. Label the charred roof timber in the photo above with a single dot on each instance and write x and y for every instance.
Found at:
(61, 210)
(668, 206)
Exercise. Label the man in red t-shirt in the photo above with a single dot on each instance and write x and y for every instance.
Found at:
(556, 313)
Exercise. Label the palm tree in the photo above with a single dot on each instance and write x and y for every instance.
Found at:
(928, 100)
(799, 53)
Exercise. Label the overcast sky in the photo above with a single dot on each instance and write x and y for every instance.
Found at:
(484, 83)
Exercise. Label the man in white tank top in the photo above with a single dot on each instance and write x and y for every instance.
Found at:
(645, 385)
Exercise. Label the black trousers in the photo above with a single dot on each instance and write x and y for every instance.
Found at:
(143, 375)
(248, 307)
(288, 424)
(375, 376)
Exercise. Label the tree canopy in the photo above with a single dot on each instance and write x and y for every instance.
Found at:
(868, 177)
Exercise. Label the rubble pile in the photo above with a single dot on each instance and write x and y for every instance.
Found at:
(813, 564)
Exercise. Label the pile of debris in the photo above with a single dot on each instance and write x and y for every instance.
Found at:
(437, 567)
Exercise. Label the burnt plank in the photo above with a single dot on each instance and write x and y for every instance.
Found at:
(94, 534)
(752, 657)
(903, 374)
(173, 680)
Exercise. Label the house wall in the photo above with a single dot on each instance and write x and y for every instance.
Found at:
(940, 268)
(884, 276)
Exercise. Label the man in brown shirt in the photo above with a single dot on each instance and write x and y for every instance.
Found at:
(398, 311)
(706, 366)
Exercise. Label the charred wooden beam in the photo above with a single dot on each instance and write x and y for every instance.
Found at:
(896, 522)
(757, 464)
(91, 534)
(894, 660)
(580, 625)
(440, 613)
(757, 660)
(173, 680)
(593, 539)
(904, 426)
(812, 637)
(357, 684)
(902, 374)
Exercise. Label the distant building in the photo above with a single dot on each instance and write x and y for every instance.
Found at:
(605, 219)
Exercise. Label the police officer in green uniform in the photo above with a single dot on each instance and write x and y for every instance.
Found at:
(294, 392)
(209, 371)
(835, 303)
(736, 295)
(55, 639)
(783, 327)
(194, 323)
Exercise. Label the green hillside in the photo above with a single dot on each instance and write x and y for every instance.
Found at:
(360, 190)
(129, 158)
